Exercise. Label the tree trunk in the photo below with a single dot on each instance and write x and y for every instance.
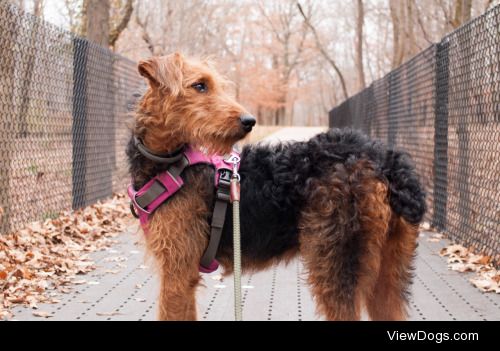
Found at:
(411, 47)
(463, 11)
(360, 18)
(97, 22)
(398, 44)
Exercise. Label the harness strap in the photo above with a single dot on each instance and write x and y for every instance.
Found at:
(179, 167)
(218, 218)
(151, 194)
(164, 185)
(158, 188)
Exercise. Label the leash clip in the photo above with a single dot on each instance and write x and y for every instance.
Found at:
(234, 160)
(235, 178)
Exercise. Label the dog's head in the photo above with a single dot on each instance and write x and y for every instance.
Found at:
(187, 103)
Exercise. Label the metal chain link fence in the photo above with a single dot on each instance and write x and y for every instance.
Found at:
(63, 119)
(443, 107)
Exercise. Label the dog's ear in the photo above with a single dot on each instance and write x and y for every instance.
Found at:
(164, 72)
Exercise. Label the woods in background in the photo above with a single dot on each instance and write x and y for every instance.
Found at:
(290, 60)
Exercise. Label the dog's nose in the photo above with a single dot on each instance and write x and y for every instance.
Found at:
(248, 121)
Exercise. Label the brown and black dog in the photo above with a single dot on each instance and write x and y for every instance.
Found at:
(349, 206)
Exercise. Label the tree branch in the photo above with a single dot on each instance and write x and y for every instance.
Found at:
(122, 24)
(324, 53)
(145, 35)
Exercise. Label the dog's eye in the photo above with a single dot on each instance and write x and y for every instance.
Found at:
(200, 87)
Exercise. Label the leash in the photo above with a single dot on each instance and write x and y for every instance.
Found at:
(235, 198)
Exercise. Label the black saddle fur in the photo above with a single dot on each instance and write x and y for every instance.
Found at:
(275, 181)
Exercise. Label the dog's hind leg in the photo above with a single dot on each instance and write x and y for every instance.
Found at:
(389, 300)
(342, 229)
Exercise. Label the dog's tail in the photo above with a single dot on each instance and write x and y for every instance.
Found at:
(407, 196)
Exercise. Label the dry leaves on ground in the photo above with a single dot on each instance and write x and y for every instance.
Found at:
(461, 259)
(43, 260)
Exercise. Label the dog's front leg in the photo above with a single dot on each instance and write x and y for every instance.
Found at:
(177, 236)
(177, 298)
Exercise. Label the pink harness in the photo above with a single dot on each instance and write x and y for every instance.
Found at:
(164, 185)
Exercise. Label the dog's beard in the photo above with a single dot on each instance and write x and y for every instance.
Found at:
(219, 143)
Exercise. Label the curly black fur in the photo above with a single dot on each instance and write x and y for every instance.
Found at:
(276, 179)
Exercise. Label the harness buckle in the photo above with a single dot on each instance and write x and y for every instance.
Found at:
(223, 190)
(225, 175)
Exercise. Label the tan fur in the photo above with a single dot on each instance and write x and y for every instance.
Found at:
(385, 252)
(389, 300)
(172, 113)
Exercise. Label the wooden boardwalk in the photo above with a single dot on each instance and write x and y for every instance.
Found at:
(124, 287)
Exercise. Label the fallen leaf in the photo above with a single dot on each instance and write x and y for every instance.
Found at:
(462, 267)
(42, 314)
(482, 284)
(114, 313)
(454, 249)
(481, 259)
(112, 271)
(45, 257)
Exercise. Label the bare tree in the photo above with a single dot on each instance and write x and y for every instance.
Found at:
(143, 22)
(403, 23)
(463, 11)
(323, 51)
(73, 12)
(360, 18)
(271, 50)
(121, 24)
(96, 25)
(281, 19)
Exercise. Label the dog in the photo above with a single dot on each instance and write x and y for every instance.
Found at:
(348, 206)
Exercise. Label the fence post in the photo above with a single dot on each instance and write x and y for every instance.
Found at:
(79, 127)
(392, 119)
(441, 136)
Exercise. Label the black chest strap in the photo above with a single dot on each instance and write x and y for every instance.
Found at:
(218, 217)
